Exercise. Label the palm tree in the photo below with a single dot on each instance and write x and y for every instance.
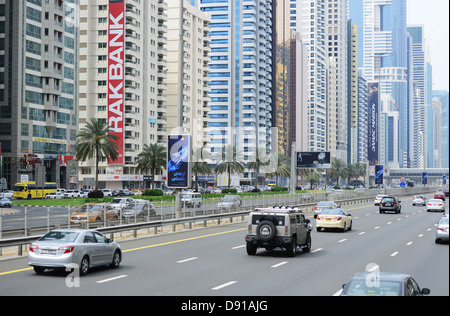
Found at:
(258, 162)
(153, 157)
(229, 163)
(199, 166)
(338, 169)
(95, 140)
(283, 167)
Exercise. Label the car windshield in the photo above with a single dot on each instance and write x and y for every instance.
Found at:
(444, 221)
(228, 198)
(332, 211)
(59, 236)
(4, 199)
(186, 196)
(137, 206)
(384, 288)
(92, 208)
(380, 196)
(115, 201)
(325, 203)
(389, 200)
(435, 201)
(418, 197)
(19, 188)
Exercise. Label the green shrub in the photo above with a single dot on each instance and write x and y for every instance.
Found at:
(149, 192)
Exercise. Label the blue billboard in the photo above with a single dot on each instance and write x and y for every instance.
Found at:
(178, 161)
(373, 121)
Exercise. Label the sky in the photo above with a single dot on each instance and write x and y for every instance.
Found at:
(434, 15)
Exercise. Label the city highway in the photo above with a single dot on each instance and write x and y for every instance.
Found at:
(214, 262)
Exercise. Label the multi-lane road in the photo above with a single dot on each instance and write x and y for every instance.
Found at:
(214, 262)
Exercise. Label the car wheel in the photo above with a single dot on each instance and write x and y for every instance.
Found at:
(251, 249)
(351, 224)
(84, 266)
(116, 260)
(39, 270)
(307, 247)
(292, 248)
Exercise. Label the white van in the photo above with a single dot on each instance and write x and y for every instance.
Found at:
(191, 199)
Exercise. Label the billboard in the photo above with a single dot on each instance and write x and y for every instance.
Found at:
(373, 123)
(379, 171)
(116, 74)
(424, 177)
(320, 159)
(178, 161)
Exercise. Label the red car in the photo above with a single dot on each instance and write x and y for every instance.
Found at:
(439, 195)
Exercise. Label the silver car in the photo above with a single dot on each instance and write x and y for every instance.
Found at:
(139, 208)
(442, 230)
(323, 205)
(436, 205)
(73, 248)
(230, 201)
(5, 202)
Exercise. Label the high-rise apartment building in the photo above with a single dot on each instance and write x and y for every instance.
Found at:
(123, 68)
(385, 58)
(39, 43)
(187, 71)
(419, 106)
(241, 75)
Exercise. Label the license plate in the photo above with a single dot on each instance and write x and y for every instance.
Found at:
(328, 219)
(48, 252)
(388, 204)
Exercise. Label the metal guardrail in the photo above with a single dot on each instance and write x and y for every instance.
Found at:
(134, 227)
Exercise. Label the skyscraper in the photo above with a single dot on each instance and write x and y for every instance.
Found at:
(385, 58)
(241, 75)
(39, 53)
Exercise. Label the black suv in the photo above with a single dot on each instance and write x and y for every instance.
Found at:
(278, 227)
(391, 204)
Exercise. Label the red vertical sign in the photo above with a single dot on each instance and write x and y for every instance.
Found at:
(116, 73)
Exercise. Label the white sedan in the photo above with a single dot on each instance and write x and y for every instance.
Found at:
(378, 199)
(55, 195)
(436, 205)
(419, 199)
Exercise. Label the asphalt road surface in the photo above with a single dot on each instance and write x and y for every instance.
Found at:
(214, 262)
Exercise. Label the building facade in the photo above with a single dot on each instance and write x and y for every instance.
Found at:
(38, 89)
(123, 68)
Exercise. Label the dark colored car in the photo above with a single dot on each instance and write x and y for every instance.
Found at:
(390, 204)
(446, 192)
(122, 192)
(382, 284)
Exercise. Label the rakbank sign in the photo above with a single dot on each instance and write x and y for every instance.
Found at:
(116, 72)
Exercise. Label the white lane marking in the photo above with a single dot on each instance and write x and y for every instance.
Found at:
(223, 285)
(112, 279)
(378, 227)
(394, 254)
(410, 243)
(237, 247)
(279, 264)
(342, 240)
(317, 250)
(361, 233)
(338, 293)
(186, 260)
(421, 235)
(389, 223)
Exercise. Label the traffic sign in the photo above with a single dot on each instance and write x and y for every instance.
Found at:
(402, 184)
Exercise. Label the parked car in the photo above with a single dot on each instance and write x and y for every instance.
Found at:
(120, 203)
(230, 201)
(390, 203)
(446, 193)
(71, 194)
(54, 196)
(439, 195)
(442, 230)
(5, 202)
(6, 194)
(419, 199)
(386, 284)
(323, 205)
(191, 199)
(107, 192)
(334, 218)
(96, 213)
(436, 205)
(139, 208)
(68, 248)
(378, 199)
(122, 192)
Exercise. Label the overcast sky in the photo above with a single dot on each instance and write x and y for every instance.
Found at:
(434, 15)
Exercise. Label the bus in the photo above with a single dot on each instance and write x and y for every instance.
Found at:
(28, 190)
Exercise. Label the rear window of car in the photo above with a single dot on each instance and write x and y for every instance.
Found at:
(388, 199)
(59, 236)
(278, 220)
(332, 211)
